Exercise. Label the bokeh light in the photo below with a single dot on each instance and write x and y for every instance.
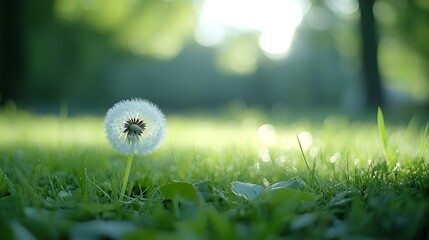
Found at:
(274, 21)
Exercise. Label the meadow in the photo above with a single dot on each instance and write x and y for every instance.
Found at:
(238, 173)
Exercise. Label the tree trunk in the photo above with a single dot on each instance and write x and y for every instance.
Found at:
(370, 69)
(11, 59)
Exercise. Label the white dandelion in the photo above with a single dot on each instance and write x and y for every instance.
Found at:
(134, 127)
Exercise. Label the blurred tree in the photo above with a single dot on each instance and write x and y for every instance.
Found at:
(414, 25)
(404, 52)
(86, 40)
(11, 50)
(414, 28)
(159, 29)
(369, 57)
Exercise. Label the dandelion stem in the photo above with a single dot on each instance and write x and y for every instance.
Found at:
(127, 174)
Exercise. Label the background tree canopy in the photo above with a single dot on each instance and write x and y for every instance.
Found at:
(184, 54)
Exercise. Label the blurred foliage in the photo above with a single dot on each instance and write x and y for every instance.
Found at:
(156, 28)
(404, 52)
(413, 19)
(90, 53)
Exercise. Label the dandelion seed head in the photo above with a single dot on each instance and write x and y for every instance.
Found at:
(264, 153)
(333, 159)
(281, 159)
(256, 165)
(135, 126)
(397, 165)
(337, 155)
(356, 161)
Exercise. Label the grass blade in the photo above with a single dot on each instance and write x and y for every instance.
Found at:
(312, 175)
(382, 129)
(303, 156)
(424, 141)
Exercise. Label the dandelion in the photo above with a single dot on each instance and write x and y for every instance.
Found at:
(134, 127)
(257, 166)
(333, 159)
(396, 166)
(356, 161)
(264, 153)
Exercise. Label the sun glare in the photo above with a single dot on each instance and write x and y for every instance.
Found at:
(274, 20)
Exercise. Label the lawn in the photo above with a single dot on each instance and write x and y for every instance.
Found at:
(234, 174)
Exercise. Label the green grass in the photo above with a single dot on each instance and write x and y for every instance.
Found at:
(239, 175)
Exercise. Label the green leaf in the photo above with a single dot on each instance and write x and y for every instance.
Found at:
(293, 183)
(184, 190)
(204, 190)
(246, 190)
(343, 198)
(289, 197)
(20, 232)
(303, 221)
(207, 224)
(382, 129)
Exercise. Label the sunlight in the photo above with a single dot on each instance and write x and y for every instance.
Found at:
(345, 7)
(306, 140)
(267, 134)
(274, 20)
